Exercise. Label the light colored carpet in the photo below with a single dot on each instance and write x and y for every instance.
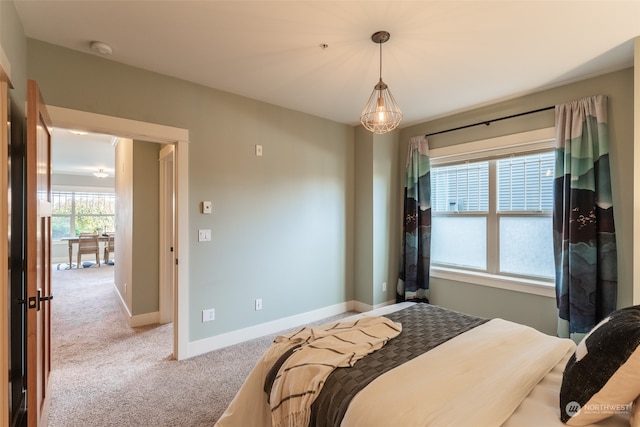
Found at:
(105, 373)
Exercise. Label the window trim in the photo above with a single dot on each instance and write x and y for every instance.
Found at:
(520, 143)
(535, 140)
(511, 283)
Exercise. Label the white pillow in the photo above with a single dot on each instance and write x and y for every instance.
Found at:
(602, 378)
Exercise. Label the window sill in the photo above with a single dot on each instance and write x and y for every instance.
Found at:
(528, 286)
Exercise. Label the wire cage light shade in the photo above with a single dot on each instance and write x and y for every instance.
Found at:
(381, 114)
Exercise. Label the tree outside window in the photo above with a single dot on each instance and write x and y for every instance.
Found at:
(81, 212)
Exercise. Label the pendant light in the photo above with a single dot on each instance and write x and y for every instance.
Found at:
(101, 173)
(381, 114)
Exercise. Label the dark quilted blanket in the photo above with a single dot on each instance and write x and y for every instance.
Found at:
(424, 327)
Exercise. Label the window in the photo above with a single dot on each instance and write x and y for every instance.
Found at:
(491, 210)
(80, 212)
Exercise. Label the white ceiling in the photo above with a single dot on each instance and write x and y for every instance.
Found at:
(85, 154)
(443, 56)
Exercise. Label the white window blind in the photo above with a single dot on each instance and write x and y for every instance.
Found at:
(460, 188)
(525, 183)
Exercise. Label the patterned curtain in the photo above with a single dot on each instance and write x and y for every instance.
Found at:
(583, 229)
(413, 284)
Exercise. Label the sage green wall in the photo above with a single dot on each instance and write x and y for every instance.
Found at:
(386, 219)
(363, 280)
(282, 224)
(14, 45)
(537, 311)
(146, 228)
(377, 218)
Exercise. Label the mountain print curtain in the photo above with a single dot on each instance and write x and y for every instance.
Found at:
(413, 284)
(583, 227)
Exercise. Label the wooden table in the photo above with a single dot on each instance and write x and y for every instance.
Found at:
(72, 240)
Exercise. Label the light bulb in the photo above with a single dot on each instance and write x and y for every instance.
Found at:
(381, 113)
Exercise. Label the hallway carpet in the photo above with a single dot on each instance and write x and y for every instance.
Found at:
(105, 373)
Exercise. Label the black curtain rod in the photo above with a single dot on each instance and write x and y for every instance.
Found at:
(488, 122)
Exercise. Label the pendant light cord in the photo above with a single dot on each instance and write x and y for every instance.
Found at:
(380, 60)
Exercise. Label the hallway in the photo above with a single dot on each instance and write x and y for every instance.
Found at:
(96, 356)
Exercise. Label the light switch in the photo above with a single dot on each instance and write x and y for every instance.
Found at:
(206, 207)
(204, 235)
(258, 150)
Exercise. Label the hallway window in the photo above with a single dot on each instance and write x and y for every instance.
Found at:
(81, 212)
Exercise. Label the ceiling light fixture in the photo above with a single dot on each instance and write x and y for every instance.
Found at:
(101, 173)
(382, 113)
(101, 47)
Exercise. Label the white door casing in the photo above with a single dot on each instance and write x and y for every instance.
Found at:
(179, 138)
(167, 235)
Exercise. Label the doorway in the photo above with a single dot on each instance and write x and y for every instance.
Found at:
(176, 137)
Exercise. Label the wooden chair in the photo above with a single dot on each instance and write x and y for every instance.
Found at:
(109, 247)
(88, 244)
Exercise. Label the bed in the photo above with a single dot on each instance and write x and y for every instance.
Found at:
(443, 368)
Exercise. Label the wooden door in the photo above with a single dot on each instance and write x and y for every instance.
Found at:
(38, 195)
(6, 412)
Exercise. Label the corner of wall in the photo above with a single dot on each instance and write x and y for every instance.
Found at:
(636, 172)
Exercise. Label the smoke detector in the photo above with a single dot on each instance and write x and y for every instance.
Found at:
(101, 47)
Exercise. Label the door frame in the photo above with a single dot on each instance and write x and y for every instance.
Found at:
(152, 132)
(5, 333)
(167, 235)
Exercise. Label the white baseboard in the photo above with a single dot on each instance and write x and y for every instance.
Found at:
(122, 304)
(144, 319)
(139, 320)
(361, 307)
(235, 337)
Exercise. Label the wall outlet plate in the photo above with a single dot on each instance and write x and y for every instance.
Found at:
(208, 315)
(204, 235)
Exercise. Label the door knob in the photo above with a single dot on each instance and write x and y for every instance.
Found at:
(34, 302)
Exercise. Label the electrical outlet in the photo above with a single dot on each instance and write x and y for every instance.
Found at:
(384, 286)
(258, 304)
(208, 315)
(125, 288)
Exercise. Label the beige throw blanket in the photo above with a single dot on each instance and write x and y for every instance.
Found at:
(475, 379)
(324, 348)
